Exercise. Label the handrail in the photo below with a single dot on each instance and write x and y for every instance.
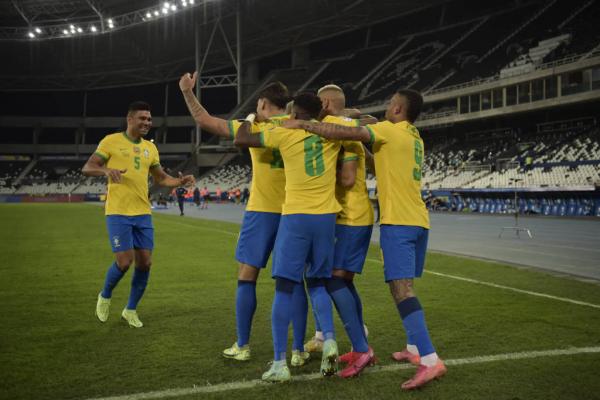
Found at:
(548, 65)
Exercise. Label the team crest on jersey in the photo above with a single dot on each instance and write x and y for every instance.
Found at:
(116, 241)
(136, 150)
(146, 153)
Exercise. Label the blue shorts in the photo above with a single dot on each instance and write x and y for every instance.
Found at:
(304, 241)
(403, 249)
(257, 238)
(351, 247)
(130, 232)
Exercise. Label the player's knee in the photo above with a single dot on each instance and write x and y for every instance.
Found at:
(248, 273)
(342, 273)
(335, 283)
(124, 262)
(144, 265)
(402, 289)
(284, 285)
(314, 282)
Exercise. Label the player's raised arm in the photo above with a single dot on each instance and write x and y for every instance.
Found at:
(331, 131)
(95, 167)
(163, 179)
(244, 137)
(216, 126)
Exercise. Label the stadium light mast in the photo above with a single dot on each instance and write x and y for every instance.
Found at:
(238, 17)
(197, 69)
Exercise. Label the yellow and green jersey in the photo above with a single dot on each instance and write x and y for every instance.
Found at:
(398, 150)
(355, 203)
(267, 191)
(310, 170)
(130, 197)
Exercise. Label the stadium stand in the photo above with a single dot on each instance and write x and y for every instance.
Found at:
(433, 52)
(236, 174)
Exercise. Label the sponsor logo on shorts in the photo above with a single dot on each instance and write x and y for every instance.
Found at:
(116, 241)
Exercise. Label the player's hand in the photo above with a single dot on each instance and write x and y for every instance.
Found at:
(188, 81)
(115, 174)
(351, 113)
(187, 180)
(367, 119)
(291, 123)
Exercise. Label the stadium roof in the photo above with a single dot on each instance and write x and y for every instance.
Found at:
(137, 50)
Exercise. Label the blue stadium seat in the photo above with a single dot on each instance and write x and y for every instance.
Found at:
(562, 209)
(546, 209)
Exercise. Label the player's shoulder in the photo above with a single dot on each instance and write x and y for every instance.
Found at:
(150, 144)
(112, 138)
(341, 120)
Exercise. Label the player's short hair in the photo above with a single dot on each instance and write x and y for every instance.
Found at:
(139, 106)
(330, 87)
(310, 103)
(277, 93)
(414, 102)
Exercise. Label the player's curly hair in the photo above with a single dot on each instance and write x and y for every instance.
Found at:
(277, 93)
(309, 103)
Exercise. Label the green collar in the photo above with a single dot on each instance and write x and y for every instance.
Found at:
(129, 139)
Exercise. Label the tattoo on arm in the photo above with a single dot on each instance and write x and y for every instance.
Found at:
(216, 126)
(194, 105)
(335, 131)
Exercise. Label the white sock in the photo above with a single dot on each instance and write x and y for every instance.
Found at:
(279, 364)
(319, 335)
(412, 349)
(429, 360)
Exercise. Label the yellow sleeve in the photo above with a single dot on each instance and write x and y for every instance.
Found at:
(377, 132)
(156, 160)
(234, 125)
(341, 121)
(103, 149)
(272, 137)
(351, 152)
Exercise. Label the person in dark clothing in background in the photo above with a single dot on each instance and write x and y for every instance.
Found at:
(181, 192)
(197, 196)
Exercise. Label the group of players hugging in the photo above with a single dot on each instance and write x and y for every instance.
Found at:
(309, 208)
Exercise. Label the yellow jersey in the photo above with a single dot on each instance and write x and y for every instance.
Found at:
(310, 170)
(356, 206)
(398, 150)
(130, 197)
(267, 191)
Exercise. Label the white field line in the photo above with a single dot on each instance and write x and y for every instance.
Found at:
(494, 285)
(223, 387)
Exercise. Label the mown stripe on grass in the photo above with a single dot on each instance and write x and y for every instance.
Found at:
(460, 278)
(223, 387)
(495, 285)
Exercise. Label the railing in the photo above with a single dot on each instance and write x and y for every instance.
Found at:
(548, 65)
(437, 115)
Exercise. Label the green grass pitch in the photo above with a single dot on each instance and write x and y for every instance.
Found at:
(54, 258)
